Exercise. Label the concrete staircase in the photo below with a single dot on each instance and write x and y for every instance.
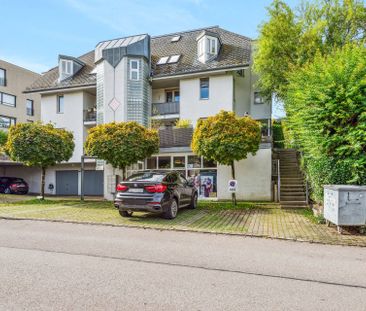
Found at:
(292, 188)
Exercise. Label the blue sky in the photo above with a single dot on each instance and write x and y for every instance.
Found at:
(35, 32)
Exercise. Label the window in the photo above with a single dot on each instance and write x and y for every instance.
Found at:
(2, 77)
(164, 162)
(30, 107)
(173, 59)
(172, 96)
(134, 69)
(6, 122)
(162, 60)
(212, 43)
(60, 104)
(258, 99)
(175, 39)
(194, 161)
(204, 88)
(66, 67)
(8, 99)
(179, 162)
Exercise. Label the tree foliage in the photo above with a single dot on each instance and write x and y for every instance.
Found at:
(326, 112)
(3, 138)
(42, 145)
(122, 144)
(226, 138)
(291, 38)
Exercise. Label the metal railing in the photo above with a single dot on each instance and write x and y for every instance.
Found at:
(160, 109)
(90, 115)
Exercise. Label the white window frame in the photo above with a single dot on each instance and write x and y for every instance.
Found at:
(163, 60)
(212, 46)
(58, 106)
(135, 70)
(66, 66)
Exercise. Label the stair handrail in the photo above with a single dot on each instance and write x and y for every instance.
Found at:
(278, 181)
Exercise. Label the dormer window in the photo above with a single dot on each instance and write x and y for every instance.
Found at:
(66, 67)
(208, 46)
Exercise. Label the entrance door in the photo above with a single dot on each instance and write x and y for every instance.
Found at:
(67, 182)
(93, 183)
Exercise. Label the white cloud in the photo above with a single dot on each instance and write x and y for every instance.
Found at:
(132, 17)
(25, 63)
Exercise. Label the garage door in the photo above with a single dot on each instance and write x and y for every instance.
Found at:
(93, 182)
(67, 182)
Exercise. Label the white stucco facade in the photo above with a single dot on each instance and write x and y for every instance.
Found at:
(220, 97)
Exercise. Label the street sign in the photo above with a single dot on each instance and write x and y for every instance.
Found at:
(232, 185)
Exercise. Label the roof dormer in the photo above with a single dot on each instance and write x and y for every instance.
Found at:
(208, 46)
(68, 66)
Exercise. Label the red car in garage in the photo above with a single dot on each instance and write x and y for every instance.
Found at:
(14, 185)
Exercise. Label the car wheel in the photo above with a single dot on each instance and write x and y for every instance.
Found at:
(125, 213)
(172, 211)
(194, 199)
(7, 190)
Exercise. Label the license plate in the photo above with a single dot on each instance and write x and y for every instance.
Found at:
(136, 190)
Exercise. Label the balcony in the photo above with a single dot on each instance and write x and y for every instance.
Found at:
(165, 109)
(175, 137)
(90, 117)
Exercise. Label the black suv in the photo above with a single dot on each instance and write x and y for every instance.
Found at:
(155, 191)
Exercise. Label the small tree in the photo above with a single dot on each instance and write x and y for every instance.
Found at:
(122, 144)
(42, 145)
(226, 138)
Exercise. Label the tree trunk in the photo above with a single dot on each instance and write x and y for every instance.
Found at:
(233, 195)
(43, 181)
(124, 173)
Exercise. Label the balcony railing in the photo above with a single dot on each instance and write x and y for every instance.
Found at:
(90, 115)
(161, 109)
(175, 137)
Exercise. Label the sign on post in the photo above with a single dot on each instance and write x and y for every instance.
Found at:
(232, 185)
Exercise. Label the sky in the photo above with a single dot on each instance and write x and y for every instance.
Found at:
(35, 32)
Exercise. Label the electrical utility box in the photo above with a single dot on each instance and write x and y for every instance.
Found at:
(345, 205)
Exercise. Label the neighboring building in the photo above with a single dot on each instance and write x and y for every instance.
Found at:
(159, 80)
(18, 107)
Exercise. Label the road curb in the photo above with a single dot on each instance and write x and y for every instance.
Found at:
(249, 235)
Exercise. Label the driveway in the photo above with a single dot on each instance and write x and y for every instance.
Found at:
(81, 267)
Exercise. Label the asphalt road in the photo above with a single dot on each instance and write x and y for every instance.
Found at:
(55, 266)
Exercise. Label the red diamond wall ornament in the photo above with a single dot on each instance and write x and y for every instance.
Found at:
(114, 104)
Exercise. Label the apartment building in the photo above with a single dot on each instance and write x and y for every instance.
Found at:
(17, 107)
(157, 81)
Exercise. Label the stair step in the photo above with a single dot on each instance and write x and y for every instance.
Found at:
(293, 202)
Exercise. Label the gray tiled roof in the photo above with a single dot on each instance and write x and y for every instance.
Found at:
(49, 80)
(235, 52)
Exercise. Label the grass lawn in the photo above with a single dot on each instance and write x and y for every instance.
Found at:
(247, 218)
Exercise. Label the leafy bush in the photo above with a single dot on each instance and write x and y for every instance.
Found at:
(183, 123)
(3, 139)
(278, 137)
(326, 114)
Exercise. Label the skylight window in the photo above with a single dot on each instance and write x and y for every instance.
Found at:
(173, 59)
(175, 39)
(163, 60)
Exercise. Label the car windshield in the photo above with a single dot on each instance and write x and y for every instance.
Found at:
(146, 176)
(17, 180)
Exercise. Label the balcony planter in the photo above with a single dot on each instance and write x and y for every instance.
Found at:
(175, 137)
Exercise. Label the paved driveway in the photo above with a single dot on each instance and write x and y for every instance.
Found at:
(81, 267)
